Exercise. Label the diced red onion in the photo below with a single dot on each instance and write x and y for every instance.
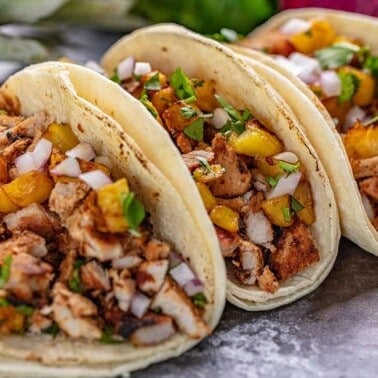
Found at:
(354, 114)
(95, 179)
(139, 304)
(125, 68)
(219, 119)
(193, 287)
(25, 163)
(142, 68)
(368, 207)
(286, 185)
(175, 259)
(295, 26)
(128, 262)
(68, 167)
(104, 160)
(42, 152)
(287, 156)
(83, 151)
(182, 274)
(94, 66)
(330, 83)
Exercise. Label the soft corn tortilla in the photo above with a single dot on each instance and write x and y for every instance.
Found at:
(166, 47)
(172, 218)
(316, 121)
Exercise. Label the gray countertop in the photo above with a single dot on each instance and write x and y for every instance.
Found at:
(332, 332)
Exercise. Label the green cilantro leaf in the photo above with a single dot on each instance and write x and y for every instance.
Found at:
(107, 336)
(188, 112)
(288, 167)
(231, 111)
(195, 130)
(148, 104)
(52, 330)
(115, 77)
(205, 164)
(199, 300)
(4, 302)
(296, 206)
(182, 86)
(371, 64)
(5, 270)
(226, 35)
(273, 180)
(153, 83)
(157, 310)
(25, 310)
(334, 56)
(133, 211)
(371, 121)
(286, 214)
(349, 86)
(74, 283)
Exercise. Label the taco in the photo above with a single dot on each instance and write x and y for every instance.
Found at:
(341, 84)
(259, 178)
(91, 284)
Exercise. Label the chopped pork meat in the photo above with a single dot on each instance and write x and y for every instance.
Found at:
(94, 276)
(228, 241)
(191, 159)
(365, 167)
(24, 242)
(267, 281)
(296, 250)
(151, 275)
(173, 302)
(369, 187)
(237, 178)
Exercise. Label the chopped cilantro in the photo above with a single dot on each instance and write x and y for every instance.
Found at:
(286, 214)
(205, 164)
(153, 83)
(199, 300)
(195, 130)
(5, 270)
(237, 127)
(74, 283)
(4, 302)
(115, 77)
(226, 35)
(182, 86)
(107, 336)
(288, 167)
(3, 112)
(371, 64)
(133, 211)
(308, 33)
(52, 330)
(272, 180)
(231, 111)
(157, 310)
(188, 112)
(349, 86)
(25, 310)
(296, 206)
(148, 104)
(334, 56)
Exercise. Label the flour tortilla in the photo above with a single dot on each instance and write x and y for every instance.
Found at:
(168, 46)
(316, 121)
(52, 91)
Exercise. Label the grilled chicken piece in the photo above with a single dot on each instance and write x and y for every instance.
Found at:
(191, 158)
(123, 287)
(67, 266)
(65, 198)
(25, 242)
(259, 230)
(255, 201)
(228, 241)
(33, 218)
(29, 126)
(267, 281)
(369, 187)
(128, 262)
(15, 149)
(184, 143)
(10, 121)
(156, 250)
(237, 178)
(296, 250)
(151, 274)
(160, 328)
(248, 262)
(94, 277)
(39, 322)
(28, 276)
(173, 302)
(74, 313)
(365, 167)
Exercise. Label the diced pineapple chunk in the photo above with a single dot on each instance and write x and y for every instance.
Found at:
(225, 218)
(361, 142)
(205, 91)
(3, 170)
(148, 76)
(303, 195)
(207, 197)
(278, 210)
(109, 200)
(61, 136)
(11, 320)
(32, 187)
(6, 205)
(337, 109)
(163, 99)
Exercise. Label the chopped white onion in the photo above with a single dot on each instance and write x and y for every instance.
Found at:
(25, 163)
(330, 83)
(128, 262)
(68, 167)
(104, 160)
(125, 68)
(229, 34)
(368, 207)
(354, 114)
(182, 274)
(287, 156)
(285, 185)
(219, 119)
(94, 66)
(142, 68)
(288, 64)
(193, 287)
(83, 151)
(42, 152)
(139, 304)
(309, 68)
(95, 179)
(295, 26)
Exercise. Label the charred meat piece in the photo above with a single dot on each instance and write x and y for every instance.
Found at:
(173, 302)
(237, 178)
(365, 167)
(267, 281)
(228, 241)
(296, 251)
(191, 158)
(369, 187)
(24, 242)
(74, 313)
(248, 262)
(33, 218)
(94, 277)
(151, 274)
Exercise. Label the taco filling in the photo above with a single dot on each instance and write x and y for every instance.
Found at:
(255, 192)
(77, 252)
(343, 73)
